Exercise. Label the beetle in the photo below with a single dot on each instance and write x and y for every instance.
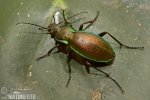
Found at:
(86, 48)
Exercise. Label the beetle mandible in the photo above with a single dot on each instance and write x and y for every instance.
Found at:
(86, 48)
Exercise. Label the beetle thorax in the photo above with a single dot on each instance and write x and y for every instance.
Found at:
(64, 34)
(68, 34)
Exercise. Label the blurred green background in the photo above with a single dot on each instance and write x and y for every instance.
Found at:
(127, 20)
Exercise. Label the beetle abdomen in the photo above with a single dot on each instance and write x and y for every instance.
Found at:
(91, 47)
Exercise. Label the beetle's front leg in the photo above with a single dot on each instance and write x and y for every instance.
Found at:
(88, 22)
(121, 44)
(48, 53)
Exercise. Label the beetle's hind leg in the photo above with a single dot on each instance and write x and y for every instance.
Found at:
(89, 23)
(107, 75)
(121, 44)
(48, 53)
(87, 67)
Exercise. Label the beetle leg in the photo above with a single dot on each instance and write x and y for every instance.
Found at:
(121, 44)
(48, 53)
(87, 67)
(102, 34)
(67, 22)
(68, 64)
(107, 75)
(88, 22)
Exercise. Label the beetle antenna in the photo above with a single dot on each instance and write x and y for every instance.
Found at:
(41, 27)
(65, 20)
(73, 16)
(91, 22)
(76, 20)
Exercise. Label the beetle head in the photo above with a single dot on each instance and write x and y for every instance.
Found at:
(53, 29)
